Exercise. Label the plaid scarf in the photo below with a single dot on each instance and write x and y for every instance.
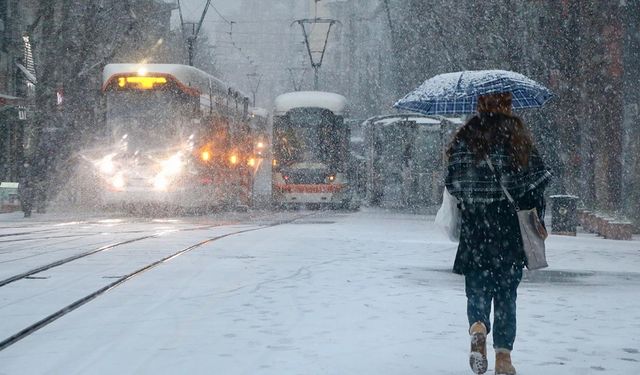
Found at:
(472, 181)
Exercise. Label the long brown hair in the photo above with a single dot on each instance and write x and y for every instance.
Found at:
(489, 130)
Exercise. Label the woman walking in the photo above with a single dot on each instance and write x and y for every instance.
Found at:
(490, 254)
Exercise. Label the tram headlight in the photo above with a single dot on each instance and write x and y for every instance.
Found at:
(259, 148)
(106, 165)
(172, 166)
(160, 183)
(118, 182)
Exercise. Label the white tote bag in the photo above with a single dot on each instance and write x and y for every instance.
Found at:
(448, 216)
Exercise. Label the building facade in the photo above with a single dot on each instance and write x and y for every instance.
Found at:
(17, 82)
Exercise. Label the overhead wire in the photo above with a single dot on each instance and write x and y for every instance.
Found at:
(219, 14)
(231, 43)
(230, 33)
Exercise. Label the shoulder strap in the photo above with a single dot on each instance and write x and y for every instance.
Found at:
(504, 189)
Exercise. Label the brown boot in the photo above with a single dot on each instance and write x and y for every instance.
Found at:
(478, 357)
(503, 362)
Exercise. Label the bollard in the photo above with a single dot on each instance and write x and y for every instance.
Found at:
(564, 215)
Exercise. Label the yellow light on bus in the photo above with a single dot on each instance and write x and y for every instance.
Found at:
(274, 163)
(233, 159)
(143, 83)
(206, 156)
(251, 162)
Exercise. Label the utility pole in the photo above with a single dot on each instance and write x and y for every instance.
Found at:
(195, 31)
(312, 24)
(257, 79)
(190, 40)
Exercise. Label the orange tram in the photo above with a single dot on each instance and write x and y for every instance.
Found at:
(310, 147)
(173, 135)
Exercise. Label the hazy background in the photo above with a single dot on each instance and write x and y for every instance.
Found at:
(255, 46)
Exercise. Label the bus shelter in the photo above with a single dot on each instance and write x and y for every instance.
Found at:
(405, 159)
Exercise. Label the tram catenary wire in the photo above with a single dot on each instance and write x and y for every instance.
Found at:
(88, 298)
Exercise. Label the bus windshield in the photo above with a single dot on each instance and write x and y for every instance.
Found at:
(150, 119)
(311, 136)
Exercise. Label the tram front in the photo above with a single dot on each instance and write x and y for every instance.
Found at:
(310, 149)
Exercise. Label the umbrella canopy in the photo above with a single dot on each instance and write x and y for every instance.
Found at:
(457, 93)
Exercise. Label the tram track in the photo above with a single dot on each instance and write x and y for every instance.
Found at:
(100, 249)
(37, 228)
(80, 235)
(120, 280)
(51, 237)
(28, 233)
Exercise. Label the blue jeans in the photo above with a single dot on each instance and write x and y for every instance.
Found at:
(499, 286)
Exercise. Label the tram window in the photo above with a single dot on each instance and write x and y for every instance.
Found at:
(310, 136)
(153, 117)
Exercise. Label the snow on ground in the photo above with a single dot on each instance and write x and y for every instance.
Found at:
(334, 293)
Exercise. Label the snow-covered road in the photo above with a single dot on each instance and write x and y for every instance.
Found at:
(331, 293)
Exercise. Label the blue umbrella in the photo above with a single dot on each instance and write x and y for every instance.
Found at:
(457, 93)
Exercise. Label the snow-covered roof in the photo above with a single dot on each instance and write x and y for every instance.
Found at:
(417, 120)
(187, 75)
(336, 103)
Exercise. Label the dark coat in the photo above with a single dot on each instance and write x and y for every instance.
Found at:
(490, 233)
